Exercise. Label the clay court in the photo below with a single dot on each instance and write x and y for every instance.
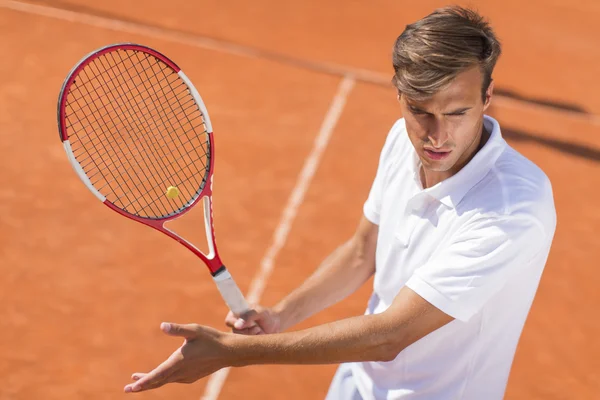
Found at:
(300, 101)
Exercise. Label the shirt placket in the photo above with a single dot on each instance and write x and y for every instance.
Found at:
(414, 212)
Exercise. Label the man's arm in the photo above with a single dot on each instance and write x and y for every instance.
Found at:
(338, 276)
(341, 274)
(377, 337)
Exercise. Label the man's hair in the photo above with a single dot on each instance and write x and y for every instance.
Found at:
(432, 51)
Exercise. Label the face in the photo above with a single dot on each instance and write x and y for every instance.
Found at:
(446, 129)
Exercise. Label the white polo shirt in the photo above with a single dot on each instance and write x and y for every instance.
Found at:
(474, 246)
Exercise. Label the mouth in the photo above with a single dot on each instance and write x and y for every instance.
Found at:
(436, 155)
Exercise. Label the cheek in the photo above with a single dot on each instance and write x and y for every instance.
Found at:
(463, 130)
(416, 131)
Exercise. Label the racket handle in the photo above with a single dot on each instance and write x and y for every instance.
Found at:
(230, 292)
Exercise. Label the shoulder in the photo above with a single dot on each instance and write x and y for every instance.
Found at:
(514, 189)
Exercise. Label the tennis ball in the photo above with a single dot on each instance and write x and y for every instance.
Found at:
(172, 192)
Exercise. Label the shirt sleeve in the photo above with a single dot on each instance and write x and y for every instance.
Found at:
(477, 263)
(372, 206)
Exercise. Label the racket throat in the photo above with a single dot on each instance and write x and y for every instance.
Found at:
(218, 271)
(208, 226)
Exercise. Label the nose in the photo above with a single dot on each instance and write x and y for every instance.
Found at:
(437, 134)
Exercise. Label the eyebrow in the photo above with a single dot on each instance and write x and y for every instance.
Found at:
(457, 111)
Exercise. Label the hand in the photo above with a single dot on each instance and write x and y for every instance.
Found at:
(257, 321)
(201, 354)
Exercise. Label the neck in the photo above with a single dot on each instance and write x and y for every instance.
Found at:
(431, 178)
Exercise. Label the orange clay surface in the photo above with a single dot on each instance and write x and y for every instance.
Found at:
(83, 290)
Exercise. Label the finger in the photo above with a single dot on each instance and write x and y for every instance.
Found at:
(148, 381)
(137, 376)
(255, 330)
(248, 331)
(243, 324)
(246, 320)
(135, 387)
(230, 319)
(188, 331)
(153, 379)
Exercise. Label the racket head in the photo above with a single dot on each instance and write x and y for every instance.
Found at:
(133, 125)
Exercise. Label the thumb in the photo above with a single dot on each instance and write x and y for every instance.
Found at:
(188, 331)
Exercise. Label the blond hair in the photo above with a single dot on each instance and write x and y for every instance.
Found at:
(432, 51)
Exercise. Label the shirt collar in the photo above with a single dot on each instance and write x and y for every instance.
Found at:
(451, 191)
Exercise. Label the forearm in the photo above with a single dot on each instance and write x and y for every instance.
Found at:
(340, 275)
(362, 338)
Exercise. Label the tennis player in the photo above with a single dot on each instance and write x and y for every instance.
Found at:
(456, 230)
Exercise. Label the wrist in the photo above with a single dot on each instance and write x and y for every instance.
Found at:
(282, 315)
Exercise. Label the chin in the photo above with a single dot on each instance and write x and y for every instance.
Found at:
(436, 168)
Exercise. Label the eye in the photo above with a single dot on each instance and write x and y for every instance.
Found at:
(417, 112)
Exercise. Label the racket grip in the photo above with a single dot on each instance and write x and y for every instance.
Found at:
(230, 292)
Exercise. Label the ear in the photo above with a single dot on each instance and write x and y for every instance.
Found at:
(488, 96)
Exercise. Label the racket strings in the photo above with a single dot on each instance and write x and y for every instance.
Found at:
(86, 94)
(94, 150)
(178, 114)
(105, 101)
(165, 181)
(121, 95)
(190, 103)
(185, 115)
(129, 158)
(153, 201)
(162, 177)
(168, 179)
(145, 182)
(137, 130)
(161, 115)
(99, 172)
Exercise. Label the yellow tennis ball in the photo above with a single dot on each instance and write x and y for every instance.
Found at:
(172, 192)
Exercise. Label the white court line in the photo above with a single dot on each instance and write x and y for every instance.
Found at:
(217, 380)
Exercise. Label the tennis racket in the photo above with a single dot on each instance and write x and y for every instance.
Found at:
(138, 135)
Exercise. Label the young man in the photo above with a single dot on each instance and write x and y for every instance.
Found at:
(457, 229)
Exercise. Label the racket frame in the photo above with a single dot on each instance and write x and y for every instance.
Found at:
(227, 286)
